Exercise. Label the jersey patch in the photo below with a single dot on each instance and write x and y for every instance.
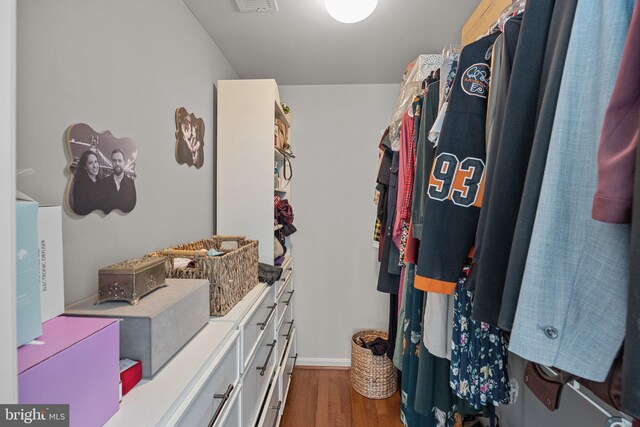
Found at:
(462, 182)
(475, 80)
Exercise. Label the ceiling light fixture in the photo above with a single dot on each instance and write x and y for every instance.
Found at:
(350, 11)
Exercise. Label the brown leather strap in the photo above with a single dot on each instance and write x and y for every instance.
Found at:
(547, 388)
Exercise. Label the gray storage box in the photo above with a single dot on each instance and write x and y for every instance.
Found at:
(162, 322)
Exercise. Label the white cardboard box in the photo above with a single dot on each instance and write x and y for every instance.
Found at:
(51, 262)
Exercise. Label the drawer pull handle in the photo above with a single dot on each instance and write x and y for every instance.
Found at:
(225, 398)
(288, 335)
(266, 322)
(277, 409)
(263, 368)
(287, 302)
(295, 360)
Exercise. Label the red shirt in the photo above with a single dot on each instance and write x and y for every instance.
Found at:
(619, 138)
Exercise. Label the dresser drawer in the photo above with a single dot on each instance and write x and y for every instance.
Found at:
(256, 325)
(286, 367)
(256, 379)
(270, 416)
(285, 281)
(231, 416)
(285, 300)
(284, 337)
(217, 390)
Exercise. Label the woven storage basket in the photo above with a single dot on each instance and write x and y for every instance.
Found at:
(231, 276)
(372, 376)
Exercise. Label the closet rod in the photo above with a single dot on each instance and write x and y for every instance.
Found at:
(612, 421)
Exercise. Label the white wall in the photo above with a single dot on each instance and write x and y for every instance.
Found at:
(8, 357)
(123, 66)
(335, 135)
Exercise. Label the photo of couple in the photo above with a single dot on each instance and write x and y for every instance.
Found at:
(102, 171)
(189, 138)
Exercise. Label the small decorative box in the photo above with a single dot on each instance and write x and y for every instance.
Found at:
(130, 280)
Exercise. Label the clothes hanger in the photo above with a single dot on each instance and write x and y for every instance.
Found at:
(513, 9)
(451, 52)
(510, 11)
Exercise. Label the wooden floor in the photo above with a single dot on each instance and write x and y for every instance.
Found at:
(324, 398)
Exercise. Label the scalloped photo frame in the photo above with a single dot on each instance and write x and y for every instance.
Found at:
(189, 138)
(101, 171)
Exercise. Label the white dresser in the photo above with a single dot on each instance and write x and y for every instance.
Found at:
(235, 372)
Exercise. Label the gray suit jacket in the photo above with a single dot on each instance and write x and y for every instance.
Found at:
(572, 306)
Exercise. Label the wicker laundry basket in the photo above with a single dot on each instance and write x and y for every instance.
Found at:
(372, 376)
(231, 276)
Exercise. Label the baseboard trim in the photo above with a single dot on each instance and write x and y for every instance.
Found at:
(322, 368)
(316, 363)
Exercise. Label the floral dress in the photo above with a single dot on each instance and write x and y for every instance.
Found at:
(478, 356)
(426, 398)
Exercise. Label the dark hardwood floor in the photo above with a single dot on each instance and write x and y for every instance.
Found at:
(324, 398)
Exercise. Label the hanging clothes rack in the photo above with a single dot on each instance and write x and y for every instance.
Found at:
(611, 421)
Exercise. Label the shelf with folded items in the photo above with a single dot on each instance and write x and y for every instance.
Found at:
(280, 114)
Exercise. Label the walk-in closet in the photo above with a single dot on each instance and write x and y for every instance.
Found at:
(320, 213)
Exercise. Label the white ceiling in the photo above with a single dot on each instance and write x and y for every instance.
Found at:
(301, 44)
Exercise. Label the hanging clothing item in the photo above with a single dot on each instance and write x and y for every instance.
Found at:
(438, 324)
(631, 360)
(553, 67)
(499, 88)
(412, 335)
(571, 312)
(434, 132)
(432, 389)
(616, 157)
(406, 174)
(406, 280)
(494, 101)
(389, 275)
(509, 168)
(424, 156)
(478, 356)
(382, 180)
(617, 164)
(456, 181)
(412, 78)
(400, 325)
(407, 169)
(425, 402)
(438, 309)
(393, 324)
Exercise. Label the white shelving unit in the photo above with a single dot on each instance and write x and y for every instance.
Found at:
(247, 110)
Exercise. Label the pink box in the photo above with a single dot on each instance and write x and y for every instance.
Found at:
(78, 364)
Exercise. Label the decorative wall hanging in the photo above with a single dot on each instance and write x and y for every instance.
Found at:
(101, 171)
(189, 138)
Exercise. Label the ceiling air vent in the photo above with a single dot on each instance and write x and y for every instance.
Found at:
(257, 5)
